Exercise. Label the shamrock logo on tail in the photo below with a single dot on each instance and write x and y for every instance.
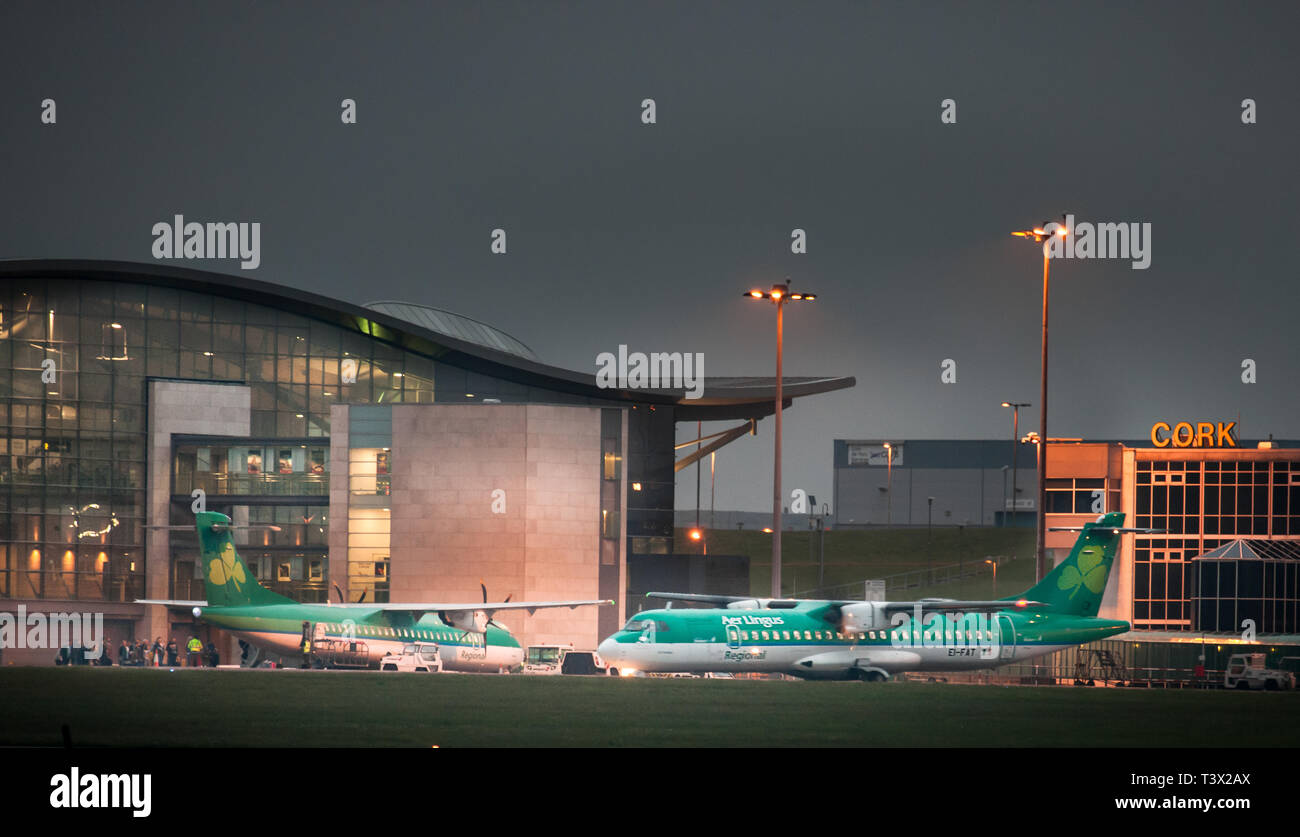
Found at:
(1091, 573)
(226, 569)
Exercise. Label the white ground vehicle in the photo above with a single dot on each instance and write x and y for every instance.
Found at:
(418, 656)
(561, 659)
(1247, 671)
(545, 659)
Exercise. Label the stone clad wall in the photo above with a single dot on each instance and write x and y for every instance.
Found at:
(181, 407)
(447, 462)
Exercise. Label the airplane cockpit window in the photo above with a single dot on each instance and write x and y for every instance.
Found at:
(635, 625)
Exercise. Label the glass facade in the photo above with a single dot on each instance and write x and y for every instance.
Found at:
(1082, 496)
(76, 355)
(1202, 505)
(1225, 592)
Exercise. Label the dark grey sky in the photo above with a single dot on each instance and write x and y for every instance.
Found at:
(771, 116)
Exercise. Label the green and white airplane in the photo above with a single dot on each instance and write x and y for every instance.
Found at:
(346, 635)
(845, 639)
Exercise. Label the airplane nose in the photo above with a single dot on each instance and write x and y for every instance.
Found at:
(608, 650)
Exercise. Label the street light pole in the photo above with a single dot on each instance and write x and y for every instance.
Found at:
(1031, 438)
(929, 552)
(1041, 565)
(889, 486)
(779, 294)
(1004, 493)
(713, 483)
(1039, 234)
(776, 457)
(1015, 442)
(821, 545)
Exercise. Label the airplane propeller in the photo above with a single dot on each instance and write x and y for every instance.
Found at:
(343, 600)
(491, 621)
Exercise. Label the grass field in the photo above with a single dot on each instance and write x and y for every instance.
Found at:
(125, 707)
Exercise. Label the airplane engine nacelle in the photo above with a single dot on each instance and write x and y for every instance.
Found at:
(866, 616)
(475, 621)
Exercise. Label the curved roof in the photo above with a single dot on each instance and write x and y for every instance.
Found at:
(453, 325)
(723, 398)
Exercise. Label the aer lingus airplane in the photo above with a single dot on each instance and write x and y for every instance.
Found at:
(346, 635)
(845, 639)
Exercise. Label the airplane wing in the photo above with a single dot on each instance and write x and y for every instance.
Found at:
(451, 607)
(974, 605)
(416, 607)
(172, 602)
(932, 605)
(706, 598)
(467, 616)
(1119, 530)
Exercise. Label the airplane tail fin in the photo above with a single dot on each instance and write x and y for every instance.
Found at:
(1076, 586)
(226, 577)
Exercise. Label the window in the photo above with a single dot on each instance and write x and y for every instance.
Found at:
(610, 458)
(112, 342)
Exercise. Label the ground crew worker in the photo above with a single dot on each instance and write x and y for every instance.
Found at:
(305, 645)
(193, 647)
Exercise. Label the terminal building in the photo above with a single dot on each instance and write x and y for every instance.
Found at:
(405, 452)
(1228, 511)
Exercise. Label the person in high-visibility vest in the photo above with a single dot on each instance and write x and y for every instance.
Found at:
(305, 645)
(193, 649)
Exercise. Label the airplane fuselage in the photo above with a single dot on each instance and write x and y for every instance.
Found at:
(799, 641)
(354, 637)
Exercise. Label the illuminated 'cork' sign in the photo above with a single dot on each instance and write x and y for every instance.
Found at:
(1201, 434)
